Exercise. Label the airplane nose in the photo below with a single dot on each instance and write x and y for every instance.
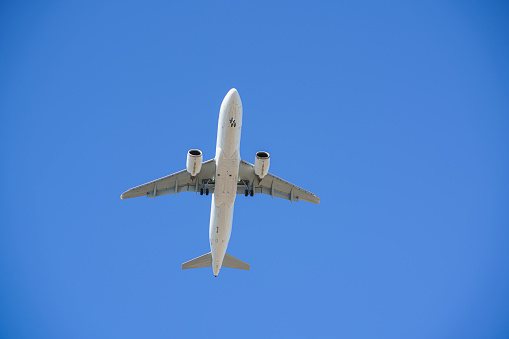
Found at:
(233, 95)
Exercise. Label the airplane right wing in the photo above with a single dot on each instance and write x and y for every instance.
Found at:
(271, 185)
(175, 183)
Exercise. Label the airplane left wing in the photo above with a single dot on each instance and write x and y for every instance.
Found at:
(271, 185)
(175, 183)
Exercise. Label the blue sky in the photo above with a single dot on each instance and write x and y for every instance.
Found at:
(394, 114)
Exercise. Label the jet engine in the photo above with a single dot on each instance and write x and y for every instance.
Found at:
(194, 161)
(262, 162)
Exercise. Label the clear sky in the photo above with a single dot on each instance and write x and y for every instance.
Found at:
(396, 114)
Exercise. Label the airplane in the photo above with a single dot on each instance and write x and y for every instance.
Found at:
(224, 177)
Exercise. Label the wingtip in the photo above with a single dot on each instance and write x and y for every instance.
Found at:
(121, 197)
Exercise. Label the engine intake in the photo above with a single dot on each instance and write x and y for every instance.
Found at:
(194, 161)
(262, 162)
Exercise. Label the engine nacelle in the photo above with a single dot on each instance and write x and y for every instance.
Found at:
(194, 161)
(262, 162)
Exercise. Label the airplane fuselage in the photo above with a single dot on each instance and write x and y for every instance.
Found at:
(227, 171)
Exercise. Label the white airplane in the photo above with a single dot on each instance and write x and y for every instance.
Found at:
(225, 176)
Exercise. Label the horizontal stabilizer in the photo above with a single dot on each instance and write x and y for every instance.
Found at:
(202, 261)
(232, 262)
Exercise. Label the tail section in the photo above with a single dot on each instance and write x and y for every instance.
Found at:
(206, 261)
(232, 262)
(202, 261)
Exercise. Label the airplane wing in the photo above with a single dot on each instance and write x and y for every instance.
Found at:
(175, 183)
(271, 185)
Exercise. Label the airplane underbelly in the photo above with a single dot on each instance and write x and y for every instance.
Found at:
(227, 173)
(223, 200)
(220, 229)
